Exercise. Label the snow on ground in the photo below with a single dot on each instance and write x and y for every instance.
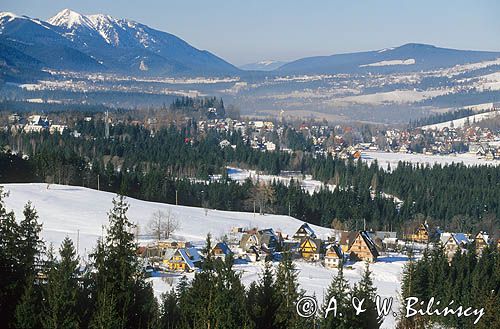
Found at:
(314, 279)
(409, 61)
(459, 123)
(386, 158)
(64, 210)
(390, 97)
(306, 181)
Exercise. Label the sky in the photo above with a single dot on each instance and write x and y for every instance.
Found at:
(243, 32)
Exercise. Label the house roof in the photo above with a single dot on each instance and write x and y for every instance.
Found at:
(335, 249)
(347, 238)
(460, 238)
(305, 228)
(189, 255)
(369, 242)
(223, 247)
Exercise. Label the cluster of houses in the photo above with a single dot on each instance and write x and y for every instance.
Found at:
(34, 123)
(254, 245)
(452, 242)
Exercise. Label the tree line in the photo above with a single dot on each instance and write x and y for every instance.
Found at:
(153, 165)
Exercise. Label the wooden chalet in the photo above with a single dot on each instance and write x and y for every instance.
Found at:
(454, 242)
(346, 240)
(363, 248)
(421, 234)
(310, 249)
(481, 240)
(221, 250)
(183, 259)
(333, 256)
(304, 231)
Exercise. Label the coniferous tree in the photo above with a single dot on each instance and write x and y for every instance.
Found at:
(105, 315)
(60, 291)
(11, 278)
(364, 290)
(338, 294)
(229, 301)
(170, 312)
(265, 303)
(27, 311)
(287, 295)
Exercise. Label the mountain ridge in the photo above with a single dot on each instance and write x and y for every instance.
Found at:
(116, 45)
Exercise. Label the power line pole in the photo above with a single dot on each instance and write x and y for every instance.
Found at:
(98, 184)
(176, 198)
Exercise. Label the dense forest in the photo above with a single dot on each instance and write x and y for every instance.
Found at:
(468, 280)
(157, 165)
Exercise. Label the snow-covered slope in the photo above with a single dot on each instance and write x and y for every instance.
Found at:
(65, 210)
(459, 123)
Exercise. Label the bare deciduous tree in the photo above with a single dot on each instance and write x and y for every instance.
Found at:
(163, 224)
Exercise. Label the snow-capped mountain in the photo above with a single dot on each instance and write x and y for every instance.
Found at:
(266, 65)
(70, 40)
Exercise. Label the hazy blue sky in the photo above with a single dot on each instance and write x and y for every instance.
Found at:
(253, 30)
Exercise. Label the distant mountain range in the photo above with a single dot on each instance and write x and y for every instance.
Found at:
(71, 41)
(100, 43)
(410, 57)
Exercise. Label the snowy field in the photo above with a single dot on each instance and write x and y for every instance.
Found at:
(386, 158)
(306, 181)
(65, 210)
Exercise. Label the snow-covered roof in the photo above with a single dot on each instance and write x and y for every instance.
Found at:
(190, 256)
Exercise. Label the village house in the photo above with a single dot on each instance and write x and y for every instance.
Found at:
(311, 249)
(346, 240)
(304, 231)
(421, 234)
(333, 256)
(184, 259)
(481, 240)
(258, 244)
(363, 248)
(454, 242)
(221, 250)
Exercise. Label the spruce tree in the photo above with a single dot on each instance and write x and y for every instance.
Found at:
(339, 290)
(27, 310)
(287, 295)
(170, 312)
(11, 277)
(105, 315)
(60, 291)
(119, 268)
(229, 306)
(364, 289)
(266, 303)
(30, 244)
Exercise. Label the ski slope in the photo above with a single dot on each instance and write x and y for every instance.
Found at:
(67, 210)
